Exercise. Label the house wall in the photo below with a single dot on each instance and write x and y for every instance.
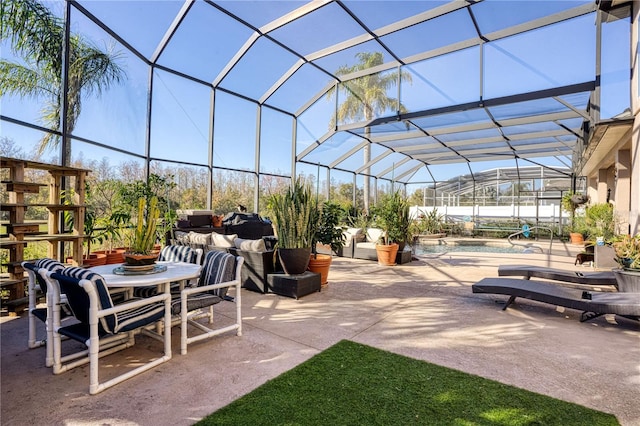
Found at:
(634, 210)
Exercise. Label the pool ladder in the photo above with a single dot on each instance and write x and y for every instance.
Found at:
(529, 246)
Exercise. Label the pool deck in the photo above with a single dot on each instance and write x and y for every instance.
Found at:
(424, 309)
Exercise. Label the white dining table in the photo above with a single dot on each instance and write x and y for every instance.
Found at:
(176, 271)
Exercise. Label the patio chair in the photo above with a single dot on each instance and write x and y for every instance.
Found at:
(37, 282)
(592, 304)
(592, 280)
(219, 272)
(102, 326)
(171, 253)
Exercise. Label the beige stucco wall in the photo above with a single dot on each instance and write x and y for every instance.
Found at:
(634, 214)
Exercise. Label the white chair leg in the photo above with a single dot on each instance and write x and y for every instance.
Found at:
(238, 301)
(183, 326)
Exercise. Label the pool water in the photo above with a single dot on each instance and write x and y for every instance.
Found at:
(422, 248)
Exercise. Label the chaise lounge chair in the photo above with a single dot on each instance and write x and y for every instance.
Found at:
(591, 279)
(593, 304)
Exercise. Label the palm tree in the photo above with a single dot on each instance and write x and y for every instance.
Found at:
(37, 36)
(365, 97)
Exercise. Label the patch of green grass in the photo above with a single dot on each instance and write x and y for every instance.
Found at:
(354, 384)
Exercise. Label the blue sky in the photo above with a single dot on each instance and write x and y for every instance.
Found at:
(207, 40)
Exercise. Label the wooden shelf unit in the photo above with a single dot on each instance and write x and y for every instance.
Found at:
(21, 233)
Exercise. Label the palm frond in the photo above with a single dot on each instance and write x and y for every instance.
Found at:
(22, 81)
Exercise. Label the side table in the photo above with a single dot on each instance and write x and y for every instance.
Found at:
(294, 286)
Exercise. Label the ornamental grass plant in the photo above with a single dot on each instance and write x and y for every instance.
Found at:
(144, 235)
(295, 215)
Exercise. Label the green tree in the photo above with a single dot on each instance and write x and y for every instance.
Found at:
(37, 37)
(366, 97)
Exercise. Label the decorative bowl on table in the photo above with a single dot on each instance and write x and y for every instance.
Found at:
(135, 259)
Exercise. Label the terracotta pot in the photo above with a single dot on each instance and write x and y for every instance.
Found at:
(216, 221)
(576, 238)
(320, 265)
(294, 261)
(94, 259)
(387, 254)
(113, 256)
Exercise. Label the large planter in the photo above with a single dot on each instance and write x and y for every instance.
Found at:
(94, 259)
(294, 261)
(320, 264)
(628, 280)
(576, 238)
(387, 254)
(604, 257)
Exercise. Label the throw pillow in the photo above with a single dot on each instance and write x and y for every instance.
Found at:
(374, 235)
(181, 237)
(250, 245)
(220, 240)
(198, 238)
(354, 234)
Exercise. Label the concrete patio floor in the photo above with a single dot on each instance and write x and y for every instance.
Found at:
(423, 310)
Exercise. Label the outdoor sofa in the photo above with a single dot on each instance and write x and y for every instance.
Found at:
(259, 255)
(363, 245)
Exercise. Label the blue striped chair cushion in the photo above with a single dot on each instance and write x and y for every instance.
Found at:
(48, 264)
(120, 322)
(219, 267)
(145, 292)
(79, 299)
(171, 253)
(194, 301)
(177, 254)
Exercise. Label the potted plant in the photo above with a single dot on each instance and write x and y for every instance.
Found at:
(155, 186)
(141, 247)
(392, 216)
(627, 250)
(112, 231)
(599, 220)
(428, 225)
(570, 203)
(600, 224)
(94, 235)
(295, 216)
(329, 234)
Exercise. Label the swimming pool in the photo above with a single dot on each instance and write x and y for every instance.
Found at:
(469, 246)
